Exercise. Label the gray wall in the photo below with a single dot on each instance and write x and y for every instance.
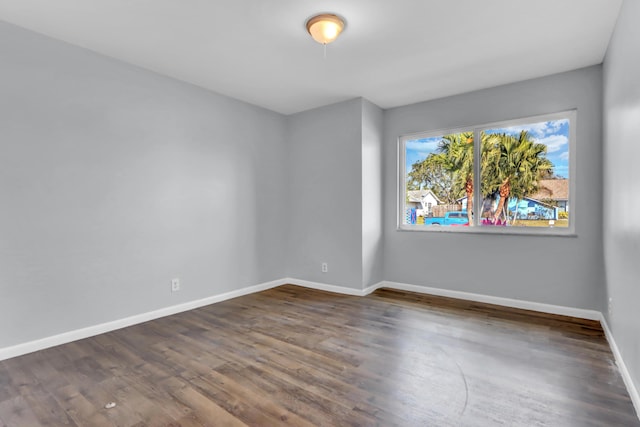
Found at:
(325, 194)
(335, 194)
(114, 180)
(565, 271)
(622, 185)
(372, 238)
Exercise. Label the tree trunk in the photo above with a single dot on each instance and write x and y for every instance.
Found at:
(469, 189)
(505, 190)
(515, 212)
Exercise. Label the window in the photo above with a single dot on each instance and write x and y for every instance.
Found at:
(523, 167)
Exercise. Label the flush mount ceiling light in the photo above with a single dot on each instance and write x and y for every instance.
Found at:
(325, 28)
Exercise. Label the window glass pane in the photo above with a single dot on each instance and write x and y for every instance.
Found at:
(439, 176)
(525, 175)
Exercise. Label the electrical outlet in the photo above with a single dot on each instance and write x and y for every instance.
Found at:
(325, 267)
(175, 285)
(610, 307)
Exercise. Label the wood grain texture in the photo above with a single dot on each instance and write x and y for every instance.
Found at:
(291, 356)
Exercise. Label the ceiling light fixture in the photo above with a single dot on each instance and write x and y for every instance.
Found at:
(325, 28)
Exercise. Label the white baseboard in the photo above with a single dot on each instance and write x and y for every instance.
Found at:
(67, 337)
(506, 302)
(622, 367)
(325, 287)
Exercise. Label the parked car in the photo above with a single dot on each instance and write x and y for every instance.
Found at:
(449, 218)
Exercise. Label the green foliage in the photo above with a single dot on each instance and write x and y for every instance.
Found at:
(512, 166)
(518, 160)
(457, 152)
(563, 215)
(515, 164)
(433, 173)
(413, 184)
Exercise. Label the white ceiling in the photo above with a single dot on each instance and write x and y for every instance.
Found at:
(392, 52)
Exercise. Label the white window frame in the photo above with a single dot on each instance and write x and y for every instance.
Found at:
(570, 115)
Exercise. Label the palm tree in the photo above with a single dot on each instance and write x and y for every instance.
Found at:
(457, 149)
(515, 167)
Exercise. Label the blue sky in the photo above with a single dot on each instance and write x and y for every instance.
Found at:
(554, 134)
(419, 149)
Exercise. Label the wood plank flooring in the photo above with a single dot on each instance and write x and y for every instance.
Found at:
(291, 356)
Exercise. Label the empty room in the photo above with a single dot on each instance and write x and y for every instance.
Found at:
(319, 213)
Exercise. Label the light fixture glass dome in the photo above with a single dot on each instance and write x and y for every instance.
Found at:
(325, 28)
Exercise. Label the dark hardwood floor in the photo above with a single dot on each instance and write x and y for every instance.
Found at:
(300, 357)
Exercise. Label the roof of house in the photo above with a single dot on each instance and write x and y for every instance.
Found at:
(553, 189)
(418, 195)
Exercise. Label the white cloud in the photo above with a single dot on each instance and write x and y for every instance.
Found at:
(423, 146)
(554, 126)
(554, 142)
(537, 130)
(564, 156)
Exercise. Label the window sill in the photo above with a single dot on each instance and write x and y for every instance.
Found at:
(493, 231)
